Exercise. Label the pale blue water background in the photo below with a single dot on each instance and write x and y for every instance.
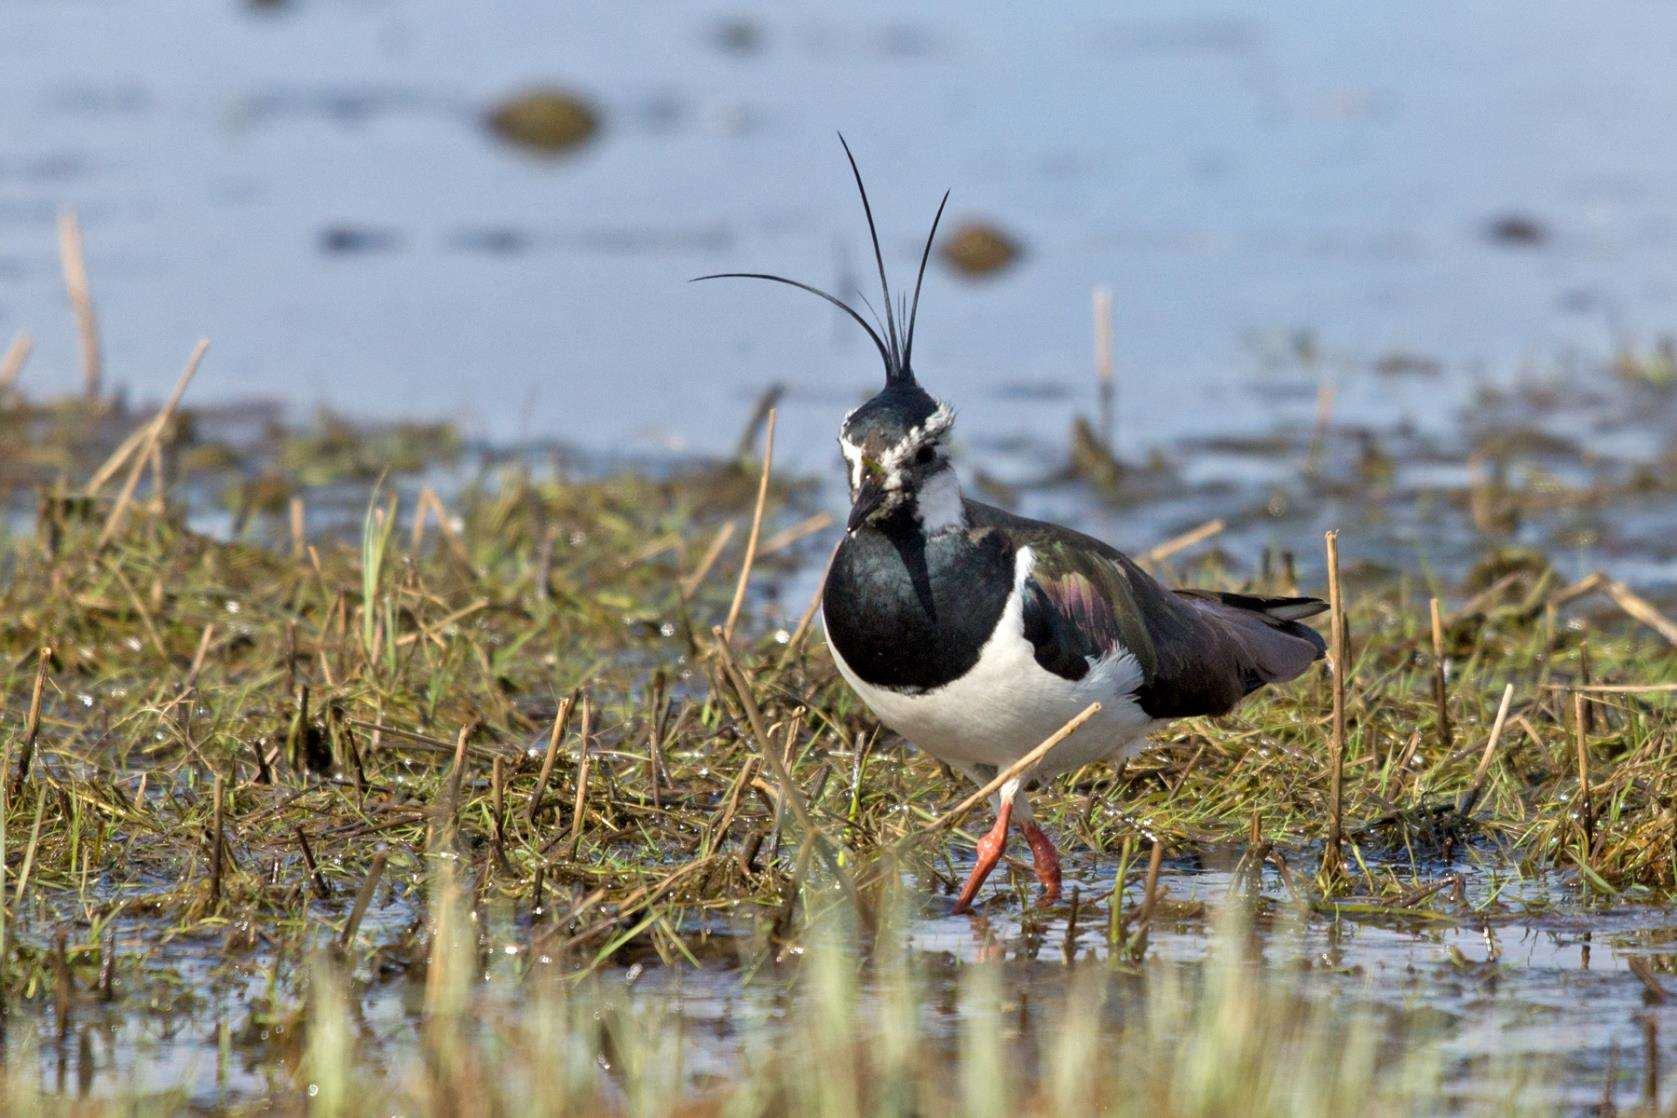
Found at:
(1235, 173)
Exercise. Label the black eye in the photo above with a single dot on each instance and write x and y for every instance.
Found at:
(925, 456)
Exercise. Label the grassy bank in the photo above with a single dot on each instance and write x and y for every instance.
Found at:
(476, 765)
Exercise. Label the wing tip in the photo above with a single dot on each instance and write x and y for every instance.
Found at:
(1293, 609)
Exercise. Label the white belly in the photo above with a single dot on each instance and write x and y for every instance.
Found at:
(1008, 703)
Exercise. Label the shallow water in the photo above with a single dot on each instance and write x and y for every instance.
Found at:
(1537, 980)
(1517, 973)
(310, 184)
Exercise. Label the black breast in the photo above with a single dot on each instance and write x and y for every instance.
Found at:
(912, 613)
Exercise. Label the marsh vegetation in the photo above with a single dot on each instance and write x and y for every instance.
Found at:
(493, 785)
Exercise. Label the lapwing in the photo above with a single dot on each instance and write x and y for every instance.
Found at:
(976, 634)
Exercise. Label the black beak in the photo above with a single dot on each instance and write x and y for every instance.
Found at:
(868, 498)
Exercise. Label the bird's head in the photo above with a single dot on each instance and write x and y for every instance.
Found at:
(895, 445)
(896, 452)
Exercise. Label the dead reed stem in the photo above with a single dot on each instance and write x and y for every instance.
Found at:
(1584, 682)
(718, 831)
(196, 668)
(1618, 688)
(217, 852)
(692, 582)
(796, 640)
(498, 808)
(362, 900)
(154, 431)
(560, 719)
(298, 517)
(786, 537)
(432, 504)
(1319, 433)
(73, 260)
(1183, 542)
(789, 792)
(756, 529)
(32, 724)
(457, 771)
(1101, 305)
(1332, 863)
(1571, 592)
(1582, 745)
(1641, 609)
(315, 878)
(1137, 945)
(805, 619)
(579, 806)
(1024, 764)
(11, 365)
(655, 746)
(766, 403)
(1440, 682)
(1150, 892)
(1471, 796)
(117, 459)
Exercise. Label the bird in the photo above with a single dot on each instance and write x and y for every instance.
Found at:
(975, 633)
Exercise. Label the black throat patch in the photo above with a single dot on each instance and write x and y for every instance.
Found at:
(911, 612)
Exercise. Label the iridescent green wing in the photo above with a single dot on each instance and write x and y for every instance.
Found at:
(1080, 606)
(1200, 651)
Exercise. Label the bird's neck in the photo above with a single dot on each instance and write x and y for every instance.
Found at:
(939, 505)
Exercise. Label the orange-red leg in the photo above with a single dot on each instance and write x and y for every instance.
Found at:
(990, 849)
(1046, 860)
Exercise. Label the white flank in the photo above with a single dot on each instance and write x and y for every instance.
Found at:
(1008, 703)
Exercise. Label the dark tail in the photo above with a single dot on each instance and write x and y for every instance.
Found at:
(1273, 645)
(1284, 614)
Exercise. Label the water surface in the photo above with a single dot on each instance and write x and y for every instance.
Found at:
(309, 183)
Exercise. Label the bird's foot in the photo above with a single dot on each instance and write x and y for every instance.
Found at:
(1046, 861)
(990, 849)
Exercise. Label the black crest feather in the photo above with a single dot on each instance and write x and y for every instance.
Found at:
(895, 337)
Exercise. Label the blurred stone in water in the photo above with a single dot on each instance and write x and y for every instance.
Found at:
(495, 240)
(337, 239)
(977, 248)
(1517, 230)
(549, 121)
(739, 35)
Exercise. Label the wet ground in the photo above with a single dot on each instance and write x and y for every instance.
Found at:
(1509, 968)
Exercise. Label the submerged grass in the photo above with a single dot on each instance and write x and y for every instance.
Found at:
(1229, 1039)
(492, 764)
